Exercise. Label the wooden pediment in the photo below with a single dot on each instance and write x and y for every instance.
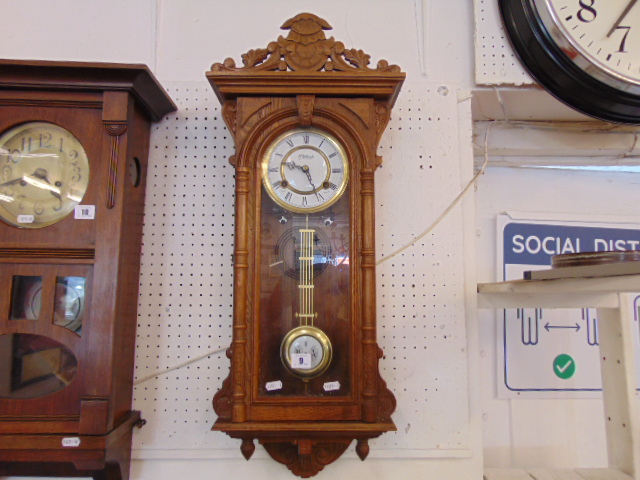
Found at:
(294, 65)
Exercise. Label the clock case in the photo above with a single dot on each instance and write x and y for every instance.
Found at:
(303, 80)
(555, 70)
(109, 108)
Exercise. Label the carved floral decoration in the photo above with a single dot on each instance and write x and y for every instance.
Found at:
(305, 49)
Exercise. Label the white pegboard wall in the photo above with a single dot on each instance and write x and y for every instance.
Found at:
(421, 313)
(185, 302)
(185, 306)
(495, 61)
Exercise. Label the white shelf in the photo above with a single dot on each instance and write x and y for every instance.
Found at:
(616, 361)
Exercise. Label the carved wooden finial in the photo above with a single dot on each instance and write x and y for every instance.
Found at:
(305, 28)
(305, 49)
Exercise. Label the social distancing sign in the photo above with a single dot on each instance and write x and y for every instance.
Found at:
(553, 353)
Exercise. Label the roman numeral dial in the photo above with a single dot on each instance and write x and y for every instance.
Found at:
(305, 170)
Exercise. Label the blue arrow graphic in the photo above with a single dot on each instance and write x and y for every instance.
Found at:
(547, 327)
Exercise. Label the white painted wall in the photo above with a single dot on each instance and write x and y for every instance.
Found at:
(433, 373)
(432, 40)
(525, 432)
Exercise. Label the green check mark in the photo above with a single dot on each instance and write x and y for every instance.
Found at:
(564, 366)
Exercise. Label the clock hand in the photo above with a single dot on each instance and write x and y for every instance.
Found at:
(305, 169)
(39, 180)
(41, 174)
(621, 17)
(291, 164)
(11, 182)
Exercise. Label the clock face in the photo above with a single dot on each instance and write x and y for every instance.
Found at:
(44, 174)
(602, 38)
(306, 351)
(586, 53)
(305, 170)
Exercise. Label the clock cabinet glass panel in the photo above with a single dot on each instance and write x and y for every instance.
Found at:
(305, 280)
(33, 366)
(69, 303)
(68, 300)
(41, 328)
(26, 297)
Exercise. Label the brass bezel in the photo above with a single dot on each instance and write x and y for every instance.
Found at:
(323, 339)
(269, 187)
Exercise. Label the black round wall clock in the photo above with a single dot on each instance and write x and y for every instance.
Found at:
(586, 53)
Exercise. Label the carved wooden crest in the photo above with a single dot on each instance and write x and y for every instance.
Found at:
(305, 49)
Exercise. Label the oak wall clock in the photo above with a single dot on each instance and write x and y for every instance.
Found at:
(74, 140)
(584, 52)
(306, 114)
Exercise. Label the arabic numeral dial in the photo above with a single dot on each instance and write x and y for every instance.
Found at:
(605, 33)
(45, 174)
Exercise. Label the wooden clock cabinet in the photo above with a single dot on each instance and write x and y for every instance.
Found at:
(306, 114)
(74, 141)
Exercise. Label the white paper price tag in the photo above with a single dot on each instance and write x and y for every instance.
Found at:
(26, 219)
(71, 442)
(331, 386)
(301, 361)
(84, 212)
(276, 385)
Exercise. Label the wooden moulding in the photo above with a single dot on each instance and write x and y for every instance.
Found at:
(88, 76)
(305, 448)
(98, 456)
(230, 85)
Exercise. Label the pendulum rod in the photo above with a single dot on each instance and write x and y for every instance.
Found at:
(306, 313)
